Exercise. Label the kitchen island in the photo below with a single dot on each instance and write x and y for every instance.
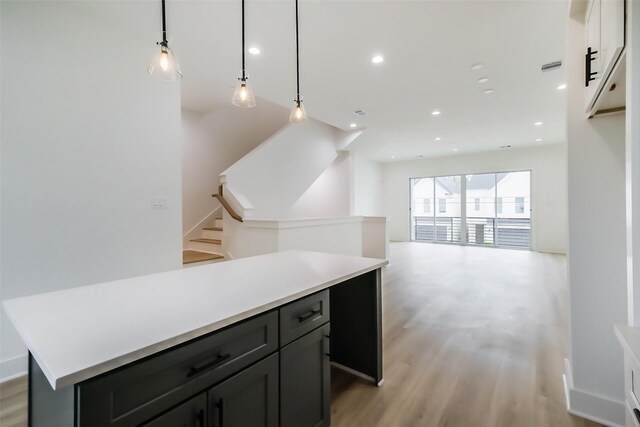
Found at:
(243, 342)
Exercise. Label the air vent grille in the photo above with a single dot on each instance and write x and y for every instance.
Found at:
(551, 66)
(360, 113)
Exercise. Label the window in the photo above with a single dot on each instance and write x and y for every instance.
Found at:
(493, 210)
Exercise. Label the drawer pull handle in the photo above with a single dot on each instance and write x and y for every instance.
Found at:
(220, 406)
(311, 314)
(636, 412)
(589, 75)
(200, 418)
(208, 365)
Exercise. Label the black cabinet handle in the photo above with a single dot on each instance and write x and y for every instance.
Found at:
(220, 406)
(200, 418)
(588, 74)
(636, 412)
(304, 317)
(208, 365)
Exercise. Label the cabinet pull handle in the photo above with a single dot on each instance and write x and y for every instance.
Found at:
(311, 314)
(200, 418)
(220, 406)
(208, 365)
(588, 74)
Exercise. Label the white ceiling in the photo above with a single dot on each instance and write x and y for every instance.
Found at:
(428, 46)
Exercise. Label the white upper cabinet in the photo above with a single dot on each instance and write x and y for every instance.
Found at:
(604, 55)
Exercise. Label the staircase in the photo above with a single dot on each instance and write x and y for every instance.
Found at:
(207, 248)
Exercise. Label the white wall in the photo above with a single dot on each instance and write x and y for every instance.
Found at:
(549, 193)
(329, 195)
(214, 141)
(367, 186)
(349, 235)
(88, 139)
(279, 171)
(597, 247)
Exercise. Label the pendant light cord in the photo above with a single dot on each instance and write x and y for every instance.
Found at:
(243, 73)
(164, 26)
(297, 59)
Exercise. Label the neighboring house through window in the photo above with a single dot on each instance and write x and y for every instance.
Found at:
(477, 203)
(519, 204)
(427, 205)
(499, 205)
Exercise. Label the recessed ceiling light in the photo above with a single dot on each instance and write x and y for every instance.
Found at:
(254, 51)
(435, 113)
(477, 66)
(505, 146)
(419, 156)
(352, 125)
(483, 79)
(377, 59)
(393, 157)
(562, 86)
(537, 124)
(538, 139)
(455, 149)
(488, 91)
(438, 138)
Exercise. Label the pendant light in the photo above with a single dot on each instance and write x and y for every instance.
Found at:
(165, 64)
(243, 96)
(298, 115)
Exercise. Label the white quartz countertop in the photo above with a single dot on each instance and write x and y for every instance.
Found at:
(78, 333)
(629, 337)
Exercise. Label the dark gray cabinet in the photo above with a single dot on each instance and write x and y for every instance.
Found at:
(138, 392)
(267, 371)
(249, 398)
(305, 392)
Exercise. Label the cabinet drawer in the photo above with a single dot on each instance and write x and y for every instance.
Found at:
(303, 316)
(139, 391)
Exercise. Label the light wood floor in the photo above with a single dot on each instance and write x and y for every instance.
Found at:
(13, 403)
(473, 337)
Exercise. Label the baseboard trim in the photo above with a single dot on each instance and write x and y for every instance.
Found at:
(13, 368)
(590, 406)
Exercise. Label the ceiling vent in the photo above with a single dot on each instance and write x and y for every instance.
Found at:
(360, 113)
(551, 66)
(505, 146)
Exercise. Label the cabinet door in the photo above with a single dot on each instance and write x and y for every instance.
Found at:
(249, 398)
(593, 41)
(305, 388)
(189, 414)
(611, 34)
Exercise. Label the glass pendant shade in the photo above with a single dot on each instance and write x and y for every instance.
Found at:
(243, 96)
(165, 65)
(298, 115)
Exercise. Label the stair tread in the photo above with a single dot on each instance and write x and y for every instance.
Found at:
(190, 256)
(212, 228)
(203, 240)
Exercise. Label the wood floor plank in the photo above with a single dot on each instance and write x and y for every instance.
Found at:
(472, 337)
